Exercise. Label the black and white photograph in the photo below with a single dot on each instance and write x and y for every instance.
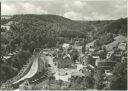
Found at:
(63, 45)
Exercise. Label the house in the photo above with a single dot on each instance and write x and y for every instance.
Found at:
(117, 55)
(6, 26)
(91, 49)
(77, 42)
(10, 54)
(65, 62)
(90, 66)
(6, 57)
(84, 60)
(78, 48)
(109, 54)
(67, 56)
(124, 59)
(97, 61)
(108, 73)
(105, 64)
(79, 66)
(122, 46)
(90, 44)
(6, 17)
(86, 71)
(95, 57)
(65, 46)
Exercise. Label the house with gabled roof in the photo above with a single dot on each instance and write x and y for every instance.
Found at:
(105, 63)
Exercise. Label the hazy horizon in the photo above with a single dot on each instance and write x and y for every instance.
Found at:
(68, 18)
(72, 9)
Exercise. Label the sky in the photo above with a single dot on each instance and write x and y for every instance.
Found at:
(72, 9)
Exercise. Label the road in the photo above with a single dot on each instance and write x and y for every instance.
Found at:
(55, 70)
(32, 72)
(58, 72)
(34, 68)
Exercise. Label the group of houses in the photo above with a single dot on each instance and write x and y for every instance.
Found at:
(7, 26)
(114, 52)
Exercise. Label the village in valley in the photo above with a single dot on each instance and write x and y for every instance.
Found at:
(82, 61)
(63, 45)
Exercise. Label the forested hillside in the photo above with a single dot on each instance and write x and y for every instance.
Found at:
(54, 23)
(108, 26)
(41, 31)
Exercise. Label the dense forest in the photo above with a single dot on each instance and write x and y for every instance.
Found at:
(48, 30)
(28, 32)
